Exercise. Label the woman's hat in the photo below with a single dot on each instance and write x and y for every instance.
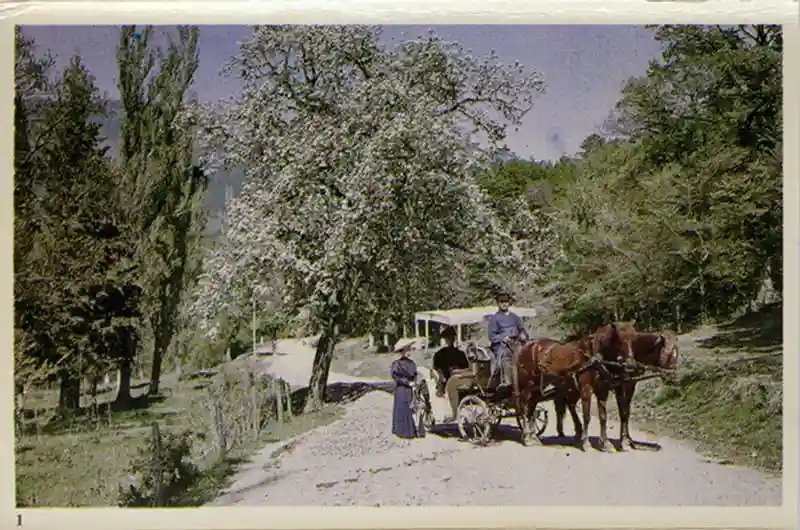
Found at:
(449, 332)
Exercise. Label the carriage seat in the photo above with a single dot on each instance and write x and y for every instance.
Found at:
(481, 362)
(479, 354)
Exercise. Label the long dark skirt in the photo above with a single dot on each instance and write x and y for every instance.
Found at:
(402, 416)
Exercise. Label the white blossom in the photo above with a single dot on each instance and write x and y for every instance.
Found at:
(359, 169)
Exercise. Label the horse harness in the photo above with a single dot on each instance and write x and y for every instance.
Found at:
(589, 364)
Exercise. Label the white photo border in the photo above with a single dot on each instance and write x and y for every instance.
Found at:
(408, 12)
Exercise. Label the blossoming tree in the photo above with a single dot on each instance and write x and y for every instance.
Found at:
(360, 163)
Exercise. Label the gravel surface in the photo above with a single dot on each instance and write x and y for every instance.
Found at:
(356, 461)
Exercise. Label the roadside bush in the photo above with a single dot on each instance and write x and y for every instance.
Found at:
(239, 404)
(162, 471)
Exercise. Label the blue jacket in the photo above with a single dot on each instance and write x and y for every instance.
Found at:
(502, 325)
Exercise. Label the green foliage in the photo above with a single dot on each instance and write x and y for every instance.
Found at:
(163, 471)
(679, 220)
(76, 301)
(676, 217)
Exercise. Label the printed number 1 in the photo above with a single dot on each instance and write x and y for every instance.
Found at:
(19, 519)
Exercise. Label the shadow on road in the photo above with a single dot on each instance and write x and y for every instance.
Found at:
(341, 392)
(511, 433)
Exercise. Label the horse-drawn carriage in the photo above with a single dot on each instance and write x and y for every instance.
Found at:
(631, 356)
(482, 406)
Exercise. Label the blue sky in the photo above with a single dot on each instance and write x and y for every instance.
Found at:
(584, 68)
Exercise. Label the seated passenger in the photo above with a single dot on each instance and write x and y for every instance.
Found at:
(447, 359)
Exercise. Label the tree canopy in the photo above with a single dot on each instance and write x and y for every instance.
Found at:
(676, 217)
(360, 165)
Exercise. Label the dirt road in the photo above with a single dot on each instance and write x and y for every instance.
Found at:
(356, 461)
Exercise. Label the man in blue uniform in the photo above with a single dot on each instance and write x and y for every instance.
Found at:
(504, 324)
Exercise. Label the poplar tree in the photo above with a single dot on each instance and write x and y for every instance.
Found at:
(165, 187)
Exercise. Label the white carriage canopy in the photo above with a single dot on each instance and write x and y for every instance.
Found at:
(458, 318)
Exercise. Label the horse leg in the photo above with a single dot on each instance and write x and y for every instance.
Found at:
(531, 422)
(624, 395)
(628, 402)
(576, 421)
(521, 406)
(586, 402)
(570, 399)
(601, 394)
(528, 401)
(560, 405)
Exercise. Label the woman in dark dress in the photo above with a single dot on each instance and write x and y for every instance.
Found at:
(403, 372)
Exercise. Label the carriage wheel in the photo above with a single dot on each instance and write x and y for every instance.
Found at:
(475, 420)
(428, 420)
(537, 422)
(422, 413)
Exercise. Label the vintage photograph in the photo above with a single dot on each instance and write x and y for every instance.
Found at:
(340, 265)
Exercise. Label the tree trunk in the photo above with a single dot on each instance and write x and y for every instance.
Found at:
(321, 367)
(776, 277)
(163, 332)
(69, 398)
(234, 331)
(19, 409)
(155, 370)
(95, 382)
(124, 382)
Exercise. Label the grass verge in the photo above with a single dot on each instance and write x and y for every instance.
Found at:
(218, 475)
(728, 397)
(85, 461)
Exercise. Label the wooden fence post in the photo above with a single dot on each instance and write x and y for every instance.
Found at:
(256, 413)
(285, 386)
(158, 471)
(278, 393)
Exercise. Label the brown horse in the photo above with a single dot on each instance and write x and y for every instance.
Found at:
(591, 381)
(658, 350)
(616, 344)
(568, 367)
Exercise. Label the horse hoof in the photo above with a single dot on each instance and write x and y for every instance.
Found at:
(582, 445)
(604, 447)
(530, 440)
(630, 443)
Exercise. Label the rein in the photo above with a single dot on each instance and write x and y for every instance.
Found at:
(640, 371)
